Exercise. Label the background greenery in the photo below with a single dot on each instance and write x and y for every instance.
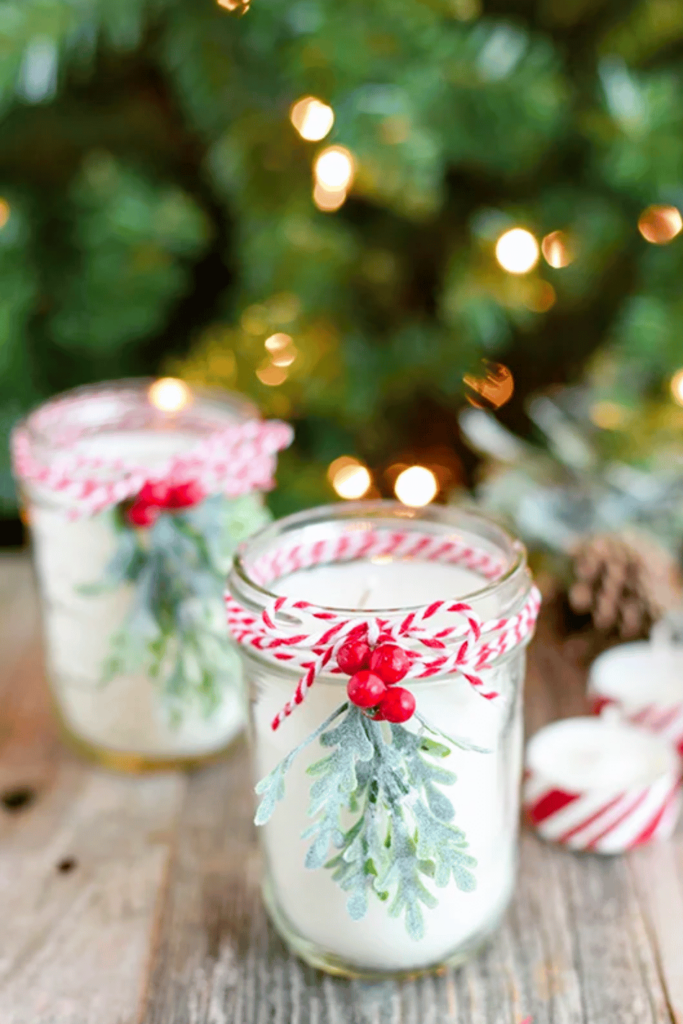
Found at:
(158, 213)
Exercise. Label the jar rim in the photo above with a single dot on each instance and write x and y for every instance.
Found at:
(513, 584)
(206, 410)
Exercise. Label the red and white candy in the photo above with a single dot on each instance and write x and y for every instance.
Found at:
(644, 681)
(600, 784)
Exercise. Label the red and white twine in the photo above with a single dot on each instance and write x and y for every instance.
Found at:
(232, 460)
(307, 637)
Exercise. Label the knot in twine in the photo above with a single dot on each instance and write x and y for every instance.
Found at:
(308, 637)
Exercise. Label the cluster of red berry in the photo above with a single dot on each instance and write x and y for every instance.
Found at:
(158, 496)
(374, 674)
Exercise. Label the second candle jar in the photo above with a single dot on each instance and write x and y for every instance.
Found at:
(389, 804)
(137, 493)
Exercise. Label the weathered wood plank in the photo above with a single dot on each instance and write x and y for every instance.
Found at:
(81, 865)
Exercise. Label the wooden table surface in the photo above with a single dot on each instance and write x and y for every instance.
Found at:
(127, 900)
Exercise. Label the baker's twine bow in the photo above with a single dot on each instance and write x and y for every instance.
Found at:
(231, 460)
(281, 632)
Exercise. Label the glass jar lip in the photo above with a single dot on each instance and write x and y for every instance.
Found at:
(38, 424)
(244, 588)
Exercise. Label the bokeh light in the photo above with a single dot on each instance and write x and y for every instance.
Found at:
(334, 169)
(677, 386)
(556, 250)
(517, 251)
(541, 298)
(349, 477)
(169, 394)
(660, 224)
(607, 415)
(494, 388)
(271, 374)
(4, 212)
(234, 5)
(276, 342)
(326, 201)
(312, 118)
(416, 486)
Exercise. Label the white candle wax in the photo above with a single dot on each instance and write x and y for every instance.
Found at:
(485, 795)
(601, 784)
(638, 674)
(125, 713)
(580, 754)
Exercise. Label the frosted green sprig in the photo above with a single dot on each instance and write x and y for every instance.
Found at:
(391, 781)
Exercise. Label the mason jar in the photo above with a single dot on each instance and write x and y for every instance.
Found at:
(388, 810)
(136, 493)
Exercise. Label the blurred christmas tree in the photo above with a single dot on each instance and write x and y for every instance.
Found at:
(362, 214)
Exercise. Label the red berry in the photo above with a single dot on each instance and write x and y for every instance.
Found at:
(154, 492)
(365, 690)
(185, 495)
(390, 662)
(397, 705)
(353, 656)
(142, 514)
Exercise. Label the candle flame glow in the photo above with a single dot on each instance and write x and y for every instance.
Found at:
(416, 486)
(169, 394)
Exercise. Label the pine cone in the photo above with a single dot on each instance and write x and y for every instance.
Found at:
(625, 580)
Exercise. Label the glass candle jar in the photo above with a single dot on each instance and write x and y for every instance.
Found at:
(137, 493)
(384, 648)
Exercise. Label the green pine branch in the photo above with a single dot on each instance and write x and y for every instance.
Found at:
(174, 629)
(390, 781)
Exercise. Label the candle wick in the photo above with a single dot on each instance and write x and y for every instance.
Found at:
(365, 596)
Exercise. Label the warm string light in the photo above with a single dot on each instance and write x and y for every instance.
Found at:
(169, 394)
(494, 388)
(517, 251)
(556, 250)
(282, 354)
(333, 173)
(349, 477)
(660, 224)
(326, 201)
(312, 118)
(4, 212)
(677, 387)
(234, 5)
(416, 486)
(542, 297)
(271, 374)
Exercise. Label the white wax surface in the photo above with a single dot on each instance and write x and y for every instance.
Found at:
(640, 673)
(485, 795)
(125, 714)
(379, 583)
(580, 754)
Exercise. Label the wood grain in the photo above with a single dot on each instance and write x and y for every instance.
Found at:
(157, 918)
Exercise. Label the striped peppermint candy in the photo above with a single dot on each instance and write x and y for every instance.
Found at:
(440, 638)
(603, 815)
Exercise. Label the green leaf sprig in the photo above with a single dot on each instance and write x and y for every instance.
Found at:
(389, 779)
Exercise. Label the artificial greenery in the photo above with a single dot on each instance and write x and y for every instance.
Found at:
(389, 780)
(174, 630)
(159, 212)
